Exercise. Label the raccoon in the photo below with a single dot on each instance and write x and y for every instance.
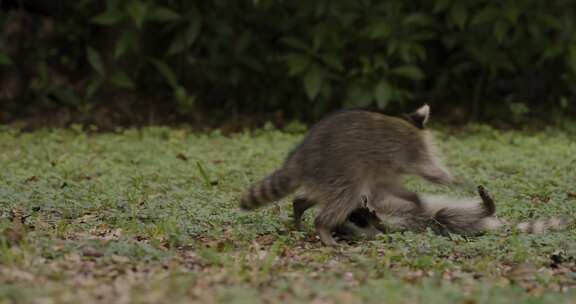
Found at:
(444, 215)
(346, 159)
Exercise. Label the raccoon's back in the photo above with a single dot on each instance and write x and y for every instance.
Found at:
(357, 140)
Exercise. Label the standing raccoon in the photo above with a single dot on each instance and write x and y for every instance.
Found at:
(444, 215)
(348, 158)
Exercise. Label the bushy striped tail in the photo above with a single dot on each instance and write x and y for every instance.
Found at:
(272, 188)
(543, 225)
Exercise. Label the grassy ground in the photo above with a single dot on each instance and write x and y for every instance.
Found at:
(151, 216)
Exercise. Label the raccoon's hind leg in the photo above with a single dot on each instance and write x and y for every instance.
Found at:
(436, 173)
(403, 193)
(487, 201)
(338, 206)
(300, 204)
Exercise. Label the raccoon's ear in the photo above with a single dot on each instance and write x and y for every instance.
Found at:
(420, 117)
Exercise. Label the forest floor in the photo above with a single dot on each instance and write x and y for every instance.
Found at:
(151, 216)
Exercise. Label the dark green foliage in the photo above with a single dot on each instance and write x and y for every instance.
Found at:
(302, 58)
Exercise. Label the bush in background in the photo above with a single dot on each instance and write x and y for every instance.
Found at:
(299, 59)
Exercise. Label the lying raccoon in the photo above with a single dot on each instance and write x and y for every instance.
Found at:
(443, 215)
(349, 155)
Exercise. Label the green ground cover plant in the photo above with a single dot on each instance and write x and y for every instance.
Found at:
(151, 215)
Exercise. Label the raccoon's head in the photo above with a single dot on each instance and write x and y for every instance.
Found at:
(419, 118)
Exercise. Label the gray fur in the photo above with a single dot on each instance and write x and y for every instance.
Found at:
(445, 215)
(348, 158)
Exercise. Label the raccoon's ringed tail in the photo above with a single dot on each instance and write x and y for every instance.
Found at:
(543, 225)
(271, 188)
